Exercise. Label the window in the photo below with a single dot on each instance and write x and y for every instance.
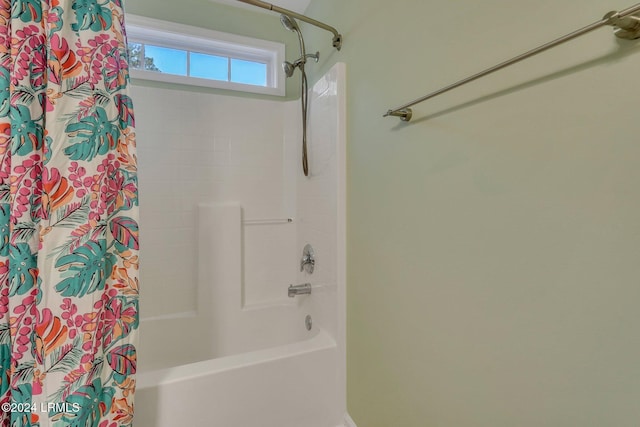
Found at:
(175, 53)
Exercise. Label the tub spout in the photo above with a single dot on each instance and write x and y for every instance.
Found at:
(299, 290)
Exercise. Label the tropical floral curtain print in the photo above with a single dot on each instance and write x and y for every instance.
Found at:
(68, 216)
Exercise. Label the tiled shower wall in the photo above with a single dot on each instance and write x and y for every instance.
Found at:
(204, 148)
(320, 204)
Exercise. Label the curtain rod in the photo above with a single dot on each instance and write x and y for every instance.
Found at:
(628, 27)
(337, 37)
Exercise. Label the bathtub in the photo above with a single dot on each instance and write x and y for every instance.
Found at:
(293, 385)
(233, 364)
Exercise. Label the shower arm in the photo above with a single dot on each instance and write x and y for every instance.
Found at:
(337, 37)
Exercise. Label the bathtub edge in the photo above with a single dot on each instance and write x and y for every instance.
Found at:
(348, 421)
(321, 341)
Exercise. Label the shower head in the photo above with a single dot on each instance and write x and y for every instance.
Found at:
(289, 23)
(288, 68)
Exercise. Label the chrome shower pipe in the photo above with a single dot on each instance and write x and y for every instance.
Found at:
(301, 61)
(337, 37)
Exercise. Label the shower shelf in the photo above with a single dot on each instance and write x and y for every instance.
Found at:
(267, 221)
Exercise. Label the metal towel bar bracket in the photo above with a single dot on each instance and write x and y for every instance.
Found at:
(626, 26)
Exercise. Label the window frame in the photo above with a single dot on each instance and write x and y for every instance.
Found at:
(148, 31)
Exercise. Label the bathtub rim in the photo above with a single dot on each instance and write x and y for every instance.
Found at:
(322, 340)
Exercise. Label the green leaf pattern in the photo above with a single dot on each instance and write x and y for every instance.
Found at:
(87, 269)
(97, 135)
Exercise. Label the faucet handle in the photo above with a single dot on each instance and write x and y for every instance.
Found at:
(308, 261)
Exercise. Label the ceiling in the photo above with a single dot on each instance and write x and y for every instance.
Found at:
(295, 5)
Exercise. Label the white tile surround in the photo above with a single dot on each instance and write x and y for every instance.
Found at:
(321, 209)
(195, 148)
(198, 148)
(218, 287)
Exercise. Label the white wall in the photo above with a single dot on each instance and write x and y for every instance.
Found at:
(200, 148)
(196, 148)
(321, 207)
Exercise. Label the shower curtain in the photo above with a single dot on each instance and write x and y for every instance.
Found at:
(68, 216)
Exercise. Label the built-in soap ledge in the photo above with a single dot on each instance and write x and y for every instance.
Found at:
(274, 221)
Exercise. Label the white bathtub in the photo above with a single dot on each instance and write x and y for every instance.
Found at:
(229, 364)
(294, 385)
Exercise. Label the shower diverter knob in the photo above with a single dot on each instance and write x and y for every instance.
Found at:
(308, 261)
